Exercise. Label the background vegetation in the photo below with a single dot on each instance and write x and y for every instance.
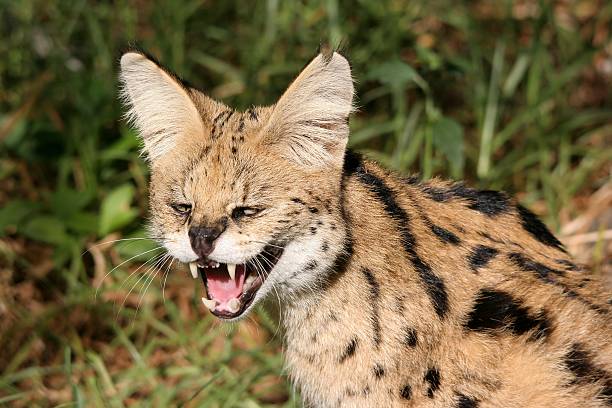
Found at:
(509, 95)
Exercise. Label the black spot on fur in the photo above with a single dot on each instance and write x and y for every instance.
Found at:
(466, 402)
(410, 337)
(342, 259)
(445, 235)
(313, 230)
(494, 309)
(234, 150)
(352, 163)
(480, 256)
(580, 363)
(433, 378)
(313, 210)
(434, 285)
(435, 193)
(411, 180)
(349, 351)
(406, 392)
(488, 202)
(252, 114)
(219, 121)
(311, 265)
(495, 240)
(442, 234)
(374, 286)
(379, 371)
(374, 300)
(551, 276)
(205, 151)
(569, 266)
(537, 229)
(542, 271)
(227, 117)
(297, 201)
(325, 246)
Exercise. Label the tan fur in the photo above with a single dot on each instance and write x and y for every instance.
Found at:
(499, 371)
(381, 244)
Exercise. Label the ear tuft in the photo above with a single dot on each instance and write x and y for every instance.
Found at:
(159, 105)
(310, 121)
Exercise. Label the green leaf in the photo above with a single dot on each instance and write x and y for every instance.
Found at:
(82, 222)
(448, 138)
(67, 201)
(371, 131)
(396, 74)
(45, 228)
(122, 148)
(116, 210)
(14, 212)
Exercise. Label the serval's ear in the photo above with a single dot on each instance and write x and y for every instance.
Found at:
(160, 105)
(309, 124)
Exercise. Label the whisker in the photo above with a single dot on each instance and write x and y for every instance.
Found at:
(266, 243)
(166, 278)
(122, 263)
(146, 274)
(258, 266)
(148, 262)
(113, 241)
(153, 275)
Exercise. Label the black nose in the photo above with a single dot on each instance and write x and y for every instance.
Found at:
(203, 239)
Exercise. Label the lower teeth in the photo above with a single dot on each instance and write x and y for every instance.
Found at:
(233, 305)
(209, 303)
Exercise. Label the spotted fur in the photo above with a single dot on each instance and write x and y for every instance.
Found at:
(394, 292)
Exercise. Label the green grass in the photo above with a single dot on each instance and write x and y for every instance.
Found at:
(476, 90)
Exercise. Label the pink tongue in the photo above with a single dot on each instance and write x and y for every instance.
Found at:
(223, 288)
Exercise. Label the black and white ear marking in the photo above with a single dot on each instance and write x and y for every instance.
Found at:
(310, 121)
(160, 107)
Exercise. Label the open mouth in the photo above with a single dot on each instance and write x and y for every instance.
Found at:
(231, 288)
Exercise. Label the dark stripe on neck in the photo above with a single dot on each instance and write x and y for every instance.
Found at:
(343, 258)
(434, 285)
(374, 287)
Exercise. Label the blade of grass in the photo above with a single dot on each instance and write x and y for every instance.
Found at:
(490, 117)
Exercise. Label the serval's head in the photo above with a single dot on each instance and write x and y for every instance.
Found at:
(250, 200)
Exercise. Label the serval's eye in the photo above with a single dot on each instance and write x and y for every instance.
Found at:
(240, 212)
(181, 209)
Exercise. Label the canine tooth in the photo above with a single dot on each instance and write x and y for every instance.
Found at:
(209, 303)
(248, 282)
(233, 305)
(231, 269)
(194, 270)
